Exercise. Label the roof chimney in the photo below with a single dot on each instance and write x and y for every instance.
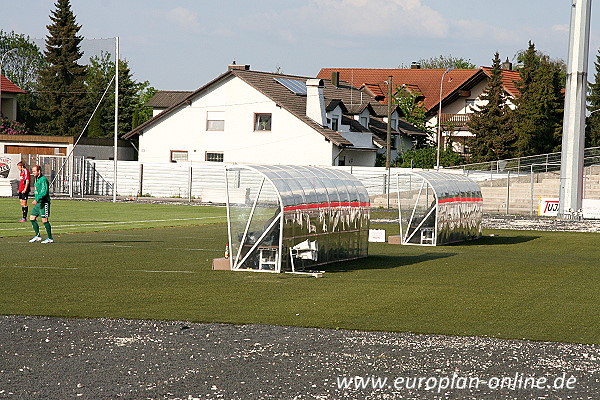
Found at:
(335, 78)
(315, 101)
(507, 64)
(243, 67)
(415, 65)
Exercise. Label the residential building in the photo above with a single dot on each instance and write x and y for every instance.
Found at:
(460, 91)
(8, 98)
(246, 116)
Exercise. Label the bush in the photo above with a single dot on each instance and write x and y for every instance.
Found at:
(427, 158)
(10, 127)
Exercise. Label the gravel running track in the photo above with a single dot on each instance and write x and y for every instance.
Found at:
(55, 358)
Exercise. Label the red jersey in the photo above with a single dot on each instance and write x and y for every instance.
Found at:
(24, 180)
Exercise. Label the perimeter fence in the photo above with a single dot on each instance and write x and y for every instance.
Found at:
(512, 186)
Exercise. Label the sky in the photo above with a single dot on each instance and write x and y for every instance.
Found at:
(184, 44)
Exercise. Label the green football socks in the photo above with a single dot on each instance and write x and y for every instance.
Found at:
(48, 229)
(36, 227)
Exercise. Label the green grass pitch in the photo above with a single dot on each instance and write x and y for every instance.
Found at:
(130, 260)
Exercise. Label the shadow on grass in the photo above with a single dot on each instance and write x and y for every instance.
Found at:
(113, 241)
(496, 240)
(383, 262)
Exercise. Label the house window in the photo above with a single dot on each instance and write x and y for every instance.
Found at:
(335, 122)
(364, 121)
(394, 124)
(214, 157)
(342, 161)
(262, 122)
(179, 156)
(469, 105)
(215, 120)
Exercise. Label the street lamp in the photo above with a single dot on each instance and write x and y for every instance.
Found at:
(439, 121)
(2, 62)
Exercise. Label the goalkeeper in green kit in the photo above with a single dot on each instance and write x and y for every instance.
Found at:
(41, 206)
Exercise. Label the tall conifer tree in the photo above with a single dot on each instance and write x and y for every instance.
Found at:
(63, 104)
(592, 129)
(537, 119)
(494, 138)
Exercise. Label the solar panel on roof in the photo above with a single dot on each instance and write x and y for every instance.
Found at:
(296, 86)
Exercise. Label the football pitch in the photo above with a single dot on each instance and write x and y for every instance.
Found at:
(151, 261)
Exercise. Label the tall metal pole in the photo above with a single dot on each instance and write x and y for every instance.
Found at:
(389, 125)
(439, 121)
(116, 150)
(573, 138)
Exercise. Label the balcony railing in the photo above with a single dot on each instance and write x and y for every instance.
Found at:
(456, 121)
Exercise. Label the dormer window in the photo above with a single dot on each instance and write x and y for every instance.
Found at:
(364, 121)
(335, 122)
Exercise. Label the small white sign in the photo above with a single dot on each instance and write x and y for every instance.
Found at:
(377, 235)
(548, 207)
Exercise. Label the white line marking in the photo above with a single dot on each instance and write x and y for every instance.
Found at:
(171, 272)
(111, 245)
(116, 223)
(179, 248)
(18, 266)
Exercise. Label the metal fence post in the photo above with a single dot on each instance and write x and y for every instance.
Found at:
(190, 184)
(507, 192)
(531, 186)
(141, 180)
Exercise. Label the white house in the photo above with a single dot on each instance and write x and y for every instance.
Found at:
(246, 116)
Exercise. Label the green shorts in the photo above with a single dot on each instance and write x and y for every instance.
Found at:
(41, 210)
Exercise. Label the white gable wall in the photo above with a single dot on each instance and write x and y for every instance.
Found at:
(290, 140)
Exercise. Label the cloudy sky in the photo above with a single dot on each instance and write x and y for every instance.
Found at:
(182, 44)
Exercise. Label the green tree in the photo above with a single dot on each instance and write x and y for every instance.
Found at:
(132, 97)
(411, 104)
(494, 138)
(63, 102)
(537, 118)
(22, 67)
(592, 128)
(444, 62)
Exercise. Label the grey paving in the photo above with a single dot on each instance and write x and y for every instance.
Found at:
(55, 358)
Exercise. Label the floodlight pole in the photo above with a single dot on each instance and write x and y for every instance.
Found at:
(573, 138)
(2, 62)
(116, 150)
(439, 122)
(389, 125)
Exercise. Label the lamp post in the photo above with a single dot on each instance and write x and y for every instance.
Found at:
(439, 121)
(2, 62)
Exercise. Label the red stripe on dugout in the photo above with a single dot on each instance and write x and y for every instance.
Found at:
(460, 199)
(326, 205)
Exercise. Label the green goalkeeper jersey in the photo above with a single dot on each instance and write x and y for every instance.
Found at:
(42, 190)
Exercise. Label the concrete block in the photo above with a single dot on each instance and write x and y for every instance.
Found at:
(220, 264)
(395, 239)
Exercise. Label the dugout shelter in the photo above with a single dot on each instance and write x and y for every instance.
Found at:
(284, 218)
(437, 208)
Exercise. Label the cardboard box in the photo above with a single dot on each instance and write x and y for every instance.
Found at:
(221, 263)
(395, 239)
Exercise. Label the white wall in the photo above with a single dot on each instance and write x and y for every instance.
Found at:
(290, 141)
(104, 152)
(9, 105)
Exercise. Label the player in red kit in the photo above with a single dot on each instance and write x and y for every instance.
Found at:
(24, 181)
